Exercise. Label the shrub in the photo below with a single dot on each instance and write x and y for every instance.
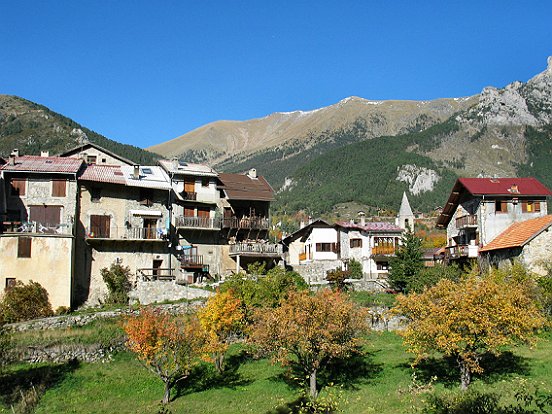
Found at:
(337, 278)
(24, 302)
(355, 269)
(117, 279)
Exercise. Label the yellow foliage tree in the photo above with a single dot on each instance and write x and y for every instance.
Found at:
(469, 318)
(168, 346)
(311, 330)
(223, 317)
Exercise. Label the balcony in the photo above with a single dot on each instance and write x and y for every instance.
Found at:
(384, 250)
(125, 233)
(34, 227)
(248, 223)
(156, 273)
(205, 223)
(189, 195)
(466, 221)
(256, 249)
(193, 261)
(462, 251)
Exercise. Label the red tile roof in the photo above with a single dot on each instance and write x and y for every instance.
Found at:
(243, 187)
(510, 187)
(519, 234)
(527, 186)
(372, 226)
(33, 163)
(103, 174)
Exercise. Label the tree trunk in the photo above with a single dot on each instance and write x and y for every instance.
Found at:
(313, 392)
(219, 363)
(465, 374)
(167, 395)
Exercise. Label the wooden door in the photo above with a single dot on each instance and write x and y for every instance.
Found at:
(99, 226)
(150, 228)
(156, 266)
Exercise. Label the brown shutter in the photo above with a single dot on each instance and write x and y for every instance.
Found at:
(189, 212)
(18, 186)
(59, 188)
(24, 247)
(99, 226)
(203, 212)
(48, 216)
(189, 186)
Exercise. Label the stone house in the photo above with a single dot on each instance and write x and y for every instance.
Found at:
(479, 209)
(92, 153)
(38, 223)
(529, 242)
(123, 218)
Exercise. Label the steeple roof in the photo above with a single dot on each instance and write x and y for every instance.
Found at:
(405, 209)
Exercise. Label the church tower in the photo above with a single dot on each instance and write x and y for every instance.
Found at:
(405, 218)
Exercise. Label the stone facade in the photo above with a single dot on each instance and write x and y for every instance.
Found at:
(146, 293)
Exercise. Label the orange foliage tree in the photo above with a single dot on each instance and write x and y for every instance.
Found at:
(168, 346)
(222, 318)
(310, 330)
(469, 318)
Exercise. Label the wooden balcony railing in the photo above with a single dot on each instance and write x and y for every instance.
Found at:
(257, 249)
(155, 273)
(191, 261)
(252, 223)
(189, 195)
(197, 223)
(35, 227)
(124, 233)
(460, 251)
(466, 221)
(384, 250)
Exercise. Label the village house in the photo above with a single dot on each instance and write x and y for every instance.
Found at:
(38, 223)
(479, 209)
(177, 222)
(124, 219)
(319, 247)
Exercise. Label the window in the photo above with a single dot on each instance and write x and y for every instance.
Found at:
(203, 212)
(24, 247)
(382, 266)
(91, 159)
(146, 197)
(17, 186)
(531, 207)
(325, 247)
(10, 282)
(205, 181)
(99, 226)
(95, 195)
(59, 188)
(355, 243)
(104, 160)
(501, 206)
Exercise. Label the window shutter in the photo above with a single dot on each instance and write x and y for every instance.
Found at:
(59, 188)
(24, 247)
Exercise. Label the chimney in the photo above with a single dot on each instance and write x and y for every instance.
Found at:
(136, 172)
(15, 152)
(310, 220)
(11, 160)
(302, 224)
(44, 154)
(514, 189)
(362, 216)
(252, 173)
(174, 162)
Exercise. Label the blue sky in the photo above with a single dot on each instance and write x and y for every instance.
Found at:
(144, 72)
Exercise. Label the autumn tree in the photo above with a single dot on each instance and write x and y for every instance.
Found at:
(310, 330)
(222, 318)
(407, 264)
(468, 318)
(169, 347)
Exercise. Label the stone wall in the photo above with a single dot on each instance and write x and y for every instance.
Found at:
(160, 291)
(316, 271)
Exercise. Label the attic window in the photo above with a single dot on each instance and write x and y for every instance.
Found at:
(501, 206)
(146, 171)
(146, 197)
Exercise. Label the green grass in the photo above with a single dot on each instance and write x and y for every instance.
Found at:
(369, 299)
(379, 383)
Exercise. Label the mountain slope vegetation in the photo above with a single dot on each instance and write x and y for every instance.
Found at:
(31, 127)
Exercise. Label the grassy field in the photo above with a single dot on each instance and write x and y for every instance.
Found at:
(381, 382)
